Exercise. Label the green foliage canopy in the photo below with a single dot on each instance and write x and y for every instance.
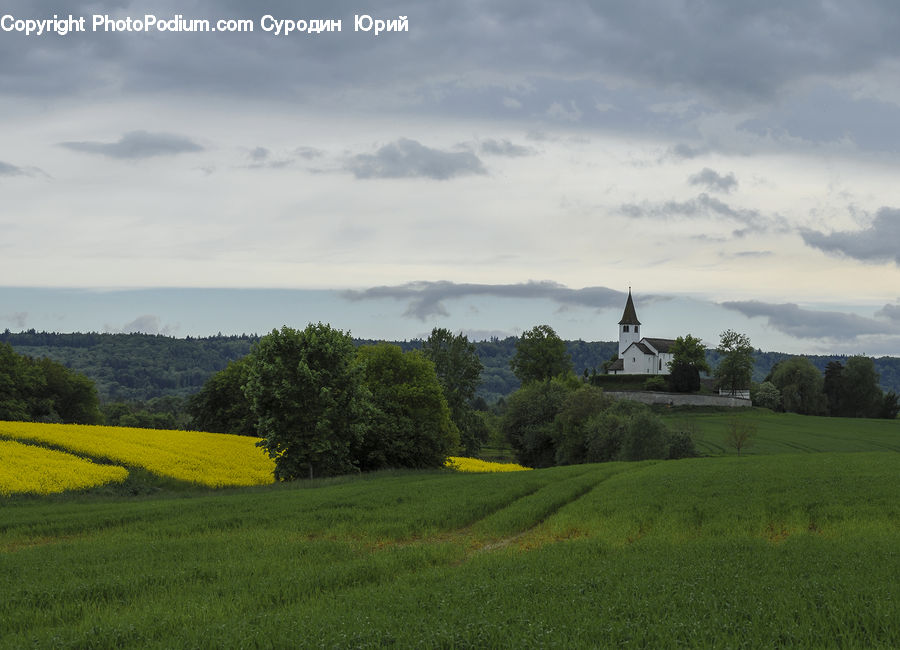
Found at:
(801, 386)
(306, 391)
(540, 355)
(458, 369)
(766, 395)
(861, 396)
(409, 423)
(736, 365)
(565, 421)
(690, 351)
(688, 361)
(42, 390)
(221, 405)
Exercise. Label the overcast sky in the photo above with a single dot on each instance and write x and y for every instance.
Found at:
(498, 165)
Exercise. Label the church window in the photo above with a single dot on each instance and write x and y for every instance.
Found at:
(625, 328)
(635, 329)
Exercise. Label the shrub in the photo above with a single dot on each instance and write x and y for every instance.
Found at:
(656, 382)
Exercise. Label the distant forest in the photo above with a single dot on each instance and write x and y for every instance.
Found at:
(137, 368)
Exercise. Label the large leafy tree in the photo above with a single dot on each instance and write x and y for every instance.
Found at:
(736, 365)
(306, 391)
(528, 422)
(44, 390)
(221, 404)
(688, 361)
(72, 395)
(833, 387)
(574, 438)
(540, 355)
(409, 423)
(20, 382)
(800, 384)
(458, 370)
(861, 396)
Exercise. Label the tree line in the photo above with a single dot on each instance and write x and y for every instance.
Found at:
(324, 406)
(152, 381)
(137, 368)
(558, 418)
(41, 390)
(849, 389)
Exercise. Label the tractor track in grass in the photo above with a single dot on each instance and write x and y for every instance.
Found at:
(484, 544)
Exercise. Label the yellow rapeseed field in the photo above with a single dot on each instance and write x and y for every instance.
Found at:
(461, 464)
(34, 470)
(210, 459)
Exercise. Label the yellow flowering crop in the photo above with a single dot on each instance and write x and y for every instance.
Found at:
(461, 464)
(211, 459)
(30, 469)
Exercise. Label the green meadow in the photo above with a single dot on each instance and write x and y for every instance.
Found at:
(785, 433)
(771, 549)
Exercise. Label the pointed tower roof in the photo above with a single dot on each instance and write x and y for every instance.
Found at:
(629, 316)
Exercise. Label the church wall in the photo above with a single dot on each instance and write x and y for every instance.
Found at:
(638, 363)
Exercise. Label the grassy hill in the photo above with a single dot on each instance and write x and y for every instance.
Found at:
(780, 433)
(796, 550)
(772, 549)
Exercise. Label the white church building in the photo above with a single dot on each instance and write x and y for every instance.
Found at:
(637, 355)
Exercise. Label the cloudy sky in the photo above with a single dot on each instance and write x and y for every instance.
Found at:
(498, 165)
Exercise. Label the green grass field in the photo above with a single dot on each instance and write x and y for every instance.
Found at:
(786, 433)
(768, 550)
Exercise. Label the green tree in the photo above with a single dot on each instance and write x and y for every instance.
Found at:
(800, 384)
(736, 365)
(833, 387)
(861, 395)
(572, 435)
(72, 395)
(688, 361)
(306, 391)
(459, 371)
(689, 350)
(409, 423)
(628, 430)
(221, 405)
(890, 406)
(44, 390)
(528, 421)
(646, 437)
(766, 395)
(540, 355)
(20, 382)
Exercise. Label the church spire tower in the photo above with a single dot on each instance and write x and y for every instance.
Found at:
(629, 326)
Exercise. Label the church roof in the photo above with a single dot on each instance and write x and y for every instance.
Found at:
(661, 345)
(629, 317)
(641, 347)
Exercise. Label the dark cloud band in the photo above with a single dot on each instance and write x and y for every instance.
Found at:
(425, 299)
(407, 158)
(880, 242)
(793, 320)
(138, 144)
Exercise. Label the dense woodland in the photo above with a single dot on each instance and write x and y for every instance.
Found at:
(140, 367)
(147, 380)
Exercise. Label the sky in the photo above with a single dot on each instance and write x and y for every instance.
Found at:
(497, 165)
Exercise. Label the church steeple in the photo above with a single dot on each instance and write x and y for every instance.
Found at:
(629, 316)
(629, 326)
